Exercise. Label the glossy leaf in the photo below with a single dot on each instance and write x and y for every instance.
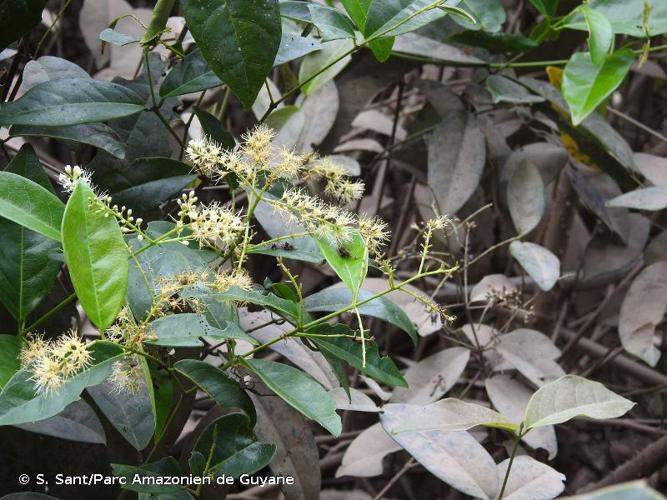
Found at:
(30, 205)
(185, 330)
(396, 17)
(294, 46)
(540, 264)
(239, 40)
(96, 256)
(331, 23)
(192, 74)
(348, 259)
(488, 15)
(218, 386)
(97, 135)
(27, 267)
(380, 368)
(333, 299)
(586, 85)
(81, 100)
(572, 396)
(601, 35)
(213, 128)
(495, 42)
(19, 403)
(299, 391)
(626, 16)
(231, 447)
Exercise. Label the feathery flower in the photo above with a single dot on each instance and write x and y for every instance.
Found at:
(205, 155)
(127, 375)
(71, 176)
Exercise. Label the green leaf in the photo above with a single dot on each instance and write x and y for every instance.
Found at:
(10, 348)
(294, 46)
(650, 198)
(572, 396)
(232, 447)
(218, 386)
(192, 74)
(238, 38)
(357, 10)
(299, 391)
(601, 35)
(30, 205)
(184, 330)
(19, 403)
(447, 415)
(98, 135)
(213, 128)
(348, 259)
(380, 368)
(540, 264)
(80, 100)
(96, 256)
(335, 298)
(489, 15)
(331, 23)
(626, 16)
(586, 85)
(284, 307)
(17, 18)
(27, 270)
(130, 413)
(395, 17)
(146, 182)
(545, 7)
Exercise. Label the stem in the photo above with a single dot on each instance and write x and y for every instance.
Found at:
(355, 304)
(517, 438)
(158, 20)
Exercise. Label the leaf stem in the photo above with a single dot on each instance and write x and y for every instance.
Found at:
(51, 312)
(517, 438)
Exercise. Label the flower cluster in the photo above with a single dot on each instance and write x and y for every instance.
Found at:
(209, 225)
(54, 362)
(126, 331)
(316, 216)
(336, 181)
(127, 375)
